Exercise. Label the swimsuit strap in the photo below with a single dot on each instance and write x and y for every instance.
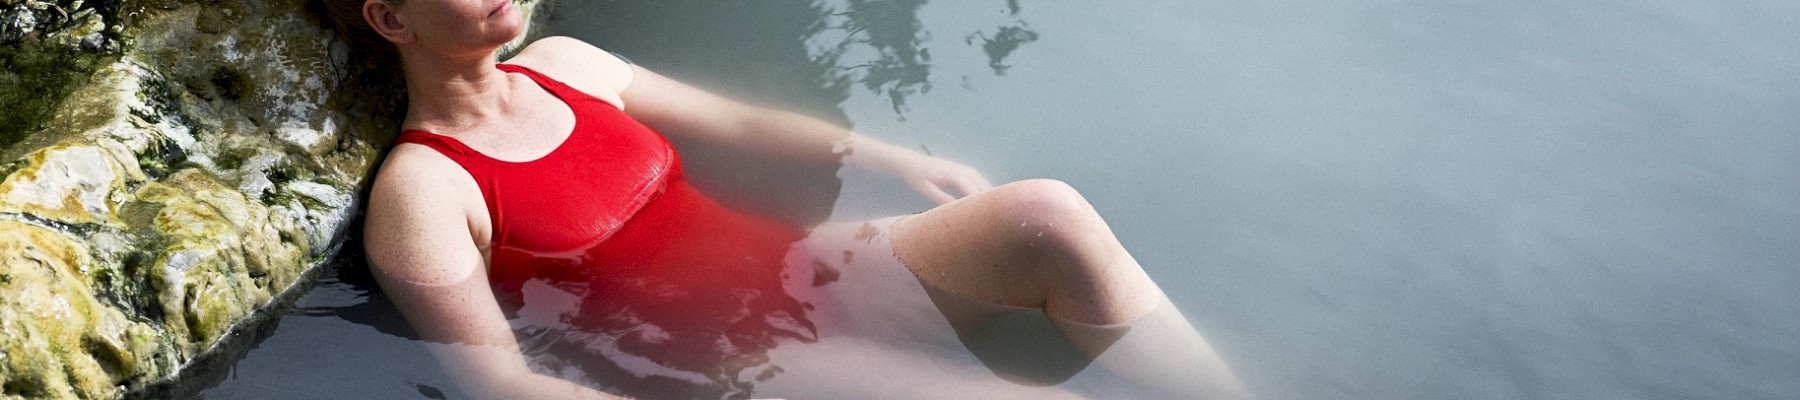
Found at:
(448, 146)
(462, 153)
(471, 162)
(560, 89)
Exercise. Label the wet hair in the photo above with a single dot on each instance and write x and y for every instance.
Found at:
(346, 17)
(372, 83)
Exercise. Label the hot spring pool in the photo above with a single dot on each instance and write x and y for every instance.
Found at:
(1351, 200)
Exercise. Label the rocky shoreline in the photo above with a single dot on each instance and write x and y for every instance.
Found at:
(173, 172)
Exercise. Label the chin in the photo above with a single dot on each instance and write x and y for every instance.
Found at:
(515, 24)
(502, 34)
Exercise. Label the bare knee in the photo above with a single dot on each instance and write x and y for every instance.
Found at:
(1053, 220)
(1041, 204)
(1062, 232)
(1038, 241)
(1048, 216)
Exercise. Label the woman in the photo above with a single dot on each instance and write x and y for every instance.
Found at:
(536, 189)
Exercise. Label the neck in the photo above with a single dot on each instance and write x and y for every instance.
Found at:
(446, 94)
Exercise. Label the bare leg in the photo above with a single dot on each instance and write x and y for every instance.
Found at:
(879, 334)
(1039, 244)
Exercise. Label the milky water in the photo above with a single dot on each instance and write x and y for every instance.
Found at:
(1363, 200)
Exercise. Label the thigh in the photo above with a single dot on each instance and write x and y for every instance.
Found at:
(972, 247)
(1033, 243)
(856, 287)
(876, 319)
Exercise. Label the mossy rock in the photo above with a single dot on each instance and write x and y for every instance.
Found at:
(225, 255)
(75, 184)
(59, 341)
(171, 171)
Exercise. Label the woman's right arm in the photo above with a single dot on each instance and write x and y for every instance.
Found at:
(424, 256)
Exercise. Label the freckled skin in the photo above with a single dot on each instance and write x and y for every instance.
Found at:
(1041, 244)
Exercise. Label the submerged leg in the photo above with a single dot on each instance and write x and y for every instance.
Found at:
(1165, 354)
(1037, 244)
(879, 334)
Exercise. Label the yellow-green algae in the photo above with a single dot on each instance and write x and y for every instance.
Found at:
(71, 184)
(177, 168)
(61, 341)
(224, 256)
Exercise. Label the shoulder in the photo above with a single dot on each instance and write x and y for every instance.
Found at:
(412, 167)
(580, 65)
(416, 179)
(418, 220)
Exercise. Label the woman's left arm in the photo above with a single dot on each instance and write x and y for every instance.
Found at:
(676, 108)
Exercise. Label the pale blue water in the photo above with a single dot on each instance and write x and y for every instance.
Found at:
(1352, 200)
(1424, 200)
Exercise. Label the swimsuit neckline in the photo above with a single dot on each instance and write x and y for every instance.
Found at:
(570, 136)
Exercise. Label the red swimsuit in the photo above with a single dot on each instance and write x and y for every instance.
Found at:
(608, 215)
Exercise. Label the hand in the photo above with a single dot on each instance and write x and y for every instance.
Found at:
(935, 178)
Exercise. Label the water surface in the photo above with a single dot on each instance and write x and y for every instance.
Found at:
(1386, 200)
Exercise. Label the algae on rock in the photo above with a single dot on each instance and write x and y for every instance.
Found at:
(61, 341)
(47, 49)
(170, 173)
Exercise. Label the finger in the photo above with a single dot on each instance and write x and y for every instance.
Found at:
(975, 179)
(933, 192)
(967, 186)
(981, 183)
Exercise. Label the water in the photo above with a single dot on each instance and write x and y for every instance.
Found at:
(1386, 200)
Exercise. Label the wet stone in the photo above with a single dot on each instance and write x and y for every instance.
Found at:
(156, 198)
(59, 340)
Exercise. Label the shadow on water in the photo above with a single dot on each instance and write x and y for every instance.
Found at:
(219, 364)
(366, 305)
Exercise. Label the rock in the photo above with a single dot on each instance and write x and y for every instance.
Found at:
(61, 341)
(172, 171)
(69, 184)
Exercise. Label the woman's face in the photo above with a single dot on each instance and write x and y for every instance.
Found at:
(461, 26)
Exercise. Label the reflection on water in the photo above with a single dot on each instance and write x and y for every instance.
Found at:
(652, 335)
(1005, 39)
(899, 67)
(660, 335)
(878, 44)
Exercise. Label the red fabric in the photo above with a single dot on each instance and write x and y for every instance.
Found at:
(663, 272)
(610, 200)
